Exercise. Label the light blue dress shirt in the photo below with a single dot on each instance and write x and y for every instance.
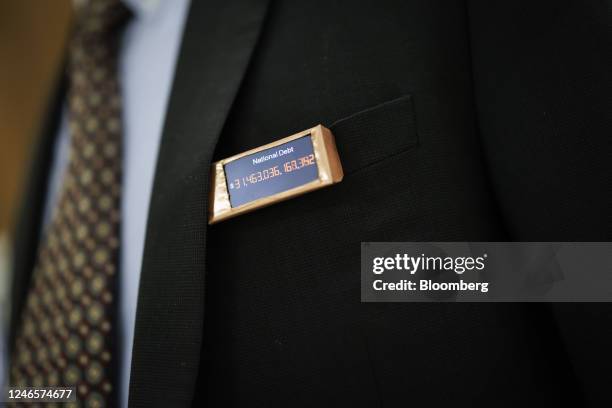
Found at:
(146, 69)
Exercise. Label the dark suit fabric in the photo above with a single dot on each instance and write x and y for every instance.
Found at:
(542, 86)
(454, 121)
(283, 322)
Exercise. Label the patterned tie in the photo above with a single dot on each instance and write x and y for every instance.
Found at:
(67, 333)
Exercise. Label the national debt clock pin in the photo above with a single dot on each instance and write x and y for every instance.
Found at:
(294, 165)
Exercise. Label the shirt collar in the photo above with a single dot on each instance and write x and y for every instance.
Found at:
(143, 8)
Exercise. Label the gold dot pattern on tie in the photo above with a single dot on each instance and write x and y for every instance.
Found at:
(67, 333)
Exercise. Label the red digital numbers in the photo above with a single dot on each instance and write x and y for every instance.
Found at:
(299, 163)
(266, 174)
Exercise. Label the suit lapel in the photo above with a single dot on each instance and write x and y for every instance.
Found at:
(218, 42)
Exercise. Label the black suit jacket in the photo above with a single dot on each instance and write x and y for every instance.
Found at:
(455, 120)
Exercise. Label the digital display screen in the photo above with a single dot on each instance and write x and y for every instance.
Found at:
(271, 171)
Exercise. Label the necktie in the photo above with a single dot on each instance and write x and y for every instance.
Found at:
(67, 333)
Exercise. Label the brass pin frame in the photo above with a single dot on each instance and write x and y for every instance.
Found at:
(328, 164)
